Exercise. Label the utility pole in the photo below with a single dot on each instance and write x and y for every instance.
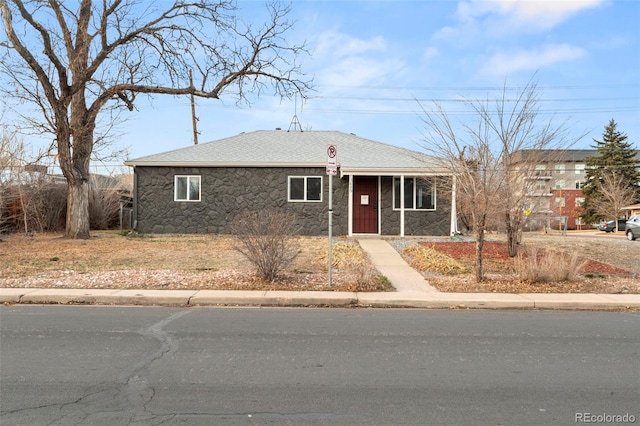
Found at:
(194, 119)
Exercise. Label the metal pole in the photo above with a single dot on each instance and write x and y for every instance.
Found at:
(330, 229)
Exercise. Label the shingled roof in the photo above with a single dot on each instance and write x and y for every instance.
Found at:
(278, 148)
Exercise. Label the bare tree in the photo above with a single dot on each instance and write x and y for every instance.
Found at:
(490, 180)
(81, 62)
(615, 193)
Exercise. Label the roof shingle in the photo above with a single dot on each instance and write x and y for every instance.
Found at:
(278, 148)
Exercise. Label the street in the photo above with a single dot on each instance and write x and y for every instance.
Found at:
(97, 365)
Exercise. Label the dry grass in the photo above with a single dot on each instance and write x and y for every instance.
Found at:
(111, 260)
(427, 259)
(544, 266)
(550, 265)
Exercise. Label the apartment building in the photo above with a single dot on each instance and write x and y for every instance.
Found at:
(556, 178)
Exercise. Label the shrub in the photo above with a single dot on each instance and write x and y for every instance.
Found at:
(266, 239)
(104, 208)
(541, 266)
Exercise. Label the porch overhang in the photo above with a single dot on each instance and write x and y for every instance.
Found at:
(382, 171)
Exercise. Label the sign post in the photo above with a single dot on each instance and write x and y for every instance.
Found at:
(332, 169)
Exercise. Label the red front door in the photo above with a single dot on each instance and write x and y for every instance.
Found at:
(365, 205)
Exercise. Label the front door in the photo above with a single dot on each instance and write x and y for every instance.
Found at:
(365, 204)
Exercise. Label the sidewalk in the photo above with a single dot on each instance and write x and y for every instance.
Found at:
(412, 292)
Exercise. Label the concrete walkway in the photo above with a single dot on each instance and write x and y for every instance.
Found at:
(390, 264)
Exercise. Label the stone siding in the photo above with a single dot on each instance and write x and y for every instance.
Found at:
(226, 192)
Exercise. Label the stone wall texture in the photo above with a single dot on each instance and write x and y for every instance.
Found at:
(226, 192)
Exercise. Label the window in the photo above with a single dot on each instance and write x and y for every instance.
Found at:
(541, 185)
(579, 184)
(579, 169)
(305, 188)
(560, 184)
(187, 188)
(540, 170)
(419, 193)
(560, 201)
(560, 169)
(579, 201)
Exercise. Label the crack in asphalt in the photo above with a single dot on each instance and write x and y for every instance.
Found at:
(121, 402)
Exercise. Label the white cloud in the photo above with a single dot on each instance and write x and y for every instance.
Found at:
(342, 60)
(431, 52)
(500, 17)
(508, 62)
(341, 45)
(544, 13)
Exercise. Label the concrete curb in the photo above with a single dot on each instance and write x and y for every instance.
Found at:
(446, 300)
(320, 298)
(274, 298)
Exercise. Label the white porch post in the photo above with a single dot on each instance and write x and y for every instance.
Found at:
(402, 206)
(350, 206)
(454, 213)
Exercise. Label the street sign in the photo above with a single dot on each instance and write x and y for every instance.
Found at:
(332, 160)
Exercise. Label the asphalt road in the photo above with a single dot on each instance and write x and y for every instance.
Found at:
(89, 365)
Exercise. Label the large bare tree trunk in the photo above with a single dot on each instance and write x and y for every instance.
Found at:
(78, 210)
(75, 167)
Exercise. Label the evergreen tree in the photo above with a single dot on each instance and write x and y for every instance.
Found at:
(615, 157)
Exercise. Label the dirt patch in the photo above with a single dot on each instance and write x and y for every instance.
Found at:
(111, 260)
(620, 274)
(497, 253)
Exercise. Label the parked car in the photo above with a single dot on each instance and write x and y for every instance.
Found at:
(610, 226)
(632, 228)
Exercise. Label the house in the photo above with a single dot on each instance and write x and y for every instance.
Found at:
(632, 210)
(201, 188)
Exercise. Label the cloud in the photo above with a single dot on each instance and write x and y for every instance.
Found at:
(540, 14)
(524, 60)
(500, 18)
(341, 45)
(342, 60)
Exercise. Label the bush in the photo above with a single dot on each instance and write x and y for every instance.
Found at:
(104, 208)
(266, 239)
(540, 266)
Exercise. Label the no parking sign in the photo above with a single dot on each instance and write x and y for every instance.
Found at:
(332, 160)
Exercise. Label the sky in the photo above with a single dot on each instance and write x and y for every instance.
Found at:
(374, 62)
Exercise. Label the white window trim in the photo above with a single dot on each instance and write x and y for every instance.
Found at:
(414, 178)
(189, 177)
(304, 200)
